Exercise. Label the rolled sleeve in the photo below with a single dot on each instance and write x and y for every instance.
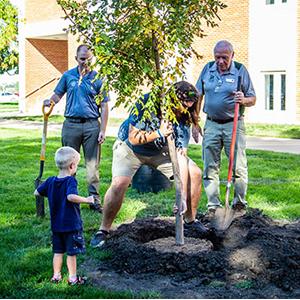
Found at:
(98, 83)
(61, 87)
(72, 187)
(199, 83)
(182, 134)
(136, 114)
(247, 86)
(106, 97)
(43, 188)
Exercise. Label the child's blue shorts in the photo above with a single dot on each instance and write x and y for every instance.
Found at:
(71, 243)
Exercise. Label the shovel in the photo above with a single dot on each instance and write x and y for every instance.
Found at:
(224, 216)
(40, 207)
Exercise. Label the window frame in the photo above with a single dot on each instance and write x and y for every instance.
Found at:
(275, 93)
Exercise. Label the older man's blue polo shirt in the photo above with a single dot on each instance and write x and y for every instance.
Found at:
(219, 89)
(80, 102)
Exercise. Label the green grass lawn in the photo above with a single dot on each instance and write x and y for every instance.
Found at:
(273, 130)
(8, 107)
(262, 130)
(25, 253)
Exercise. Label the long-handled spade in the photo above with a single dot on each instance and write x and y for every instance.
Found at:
(40, 207)
(224, 216)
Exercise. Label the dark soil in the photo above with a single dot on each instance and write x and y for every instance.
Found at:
(256, 257)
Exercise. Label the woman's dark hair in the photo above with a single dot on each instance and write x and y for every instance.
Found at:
(187, 92)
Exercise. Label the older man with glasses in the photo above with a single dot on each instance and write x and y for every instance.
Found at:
(217, 84)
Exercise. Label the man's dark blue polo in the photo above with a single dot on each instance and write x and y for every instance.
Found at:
(81, 93)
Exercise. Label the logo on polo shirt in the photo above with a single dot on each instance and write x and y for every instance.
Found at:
(73, 83)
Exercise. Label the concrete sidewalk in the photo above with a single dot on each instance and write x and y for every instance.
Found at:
(270, 144)
(274, 144)
(256, 143)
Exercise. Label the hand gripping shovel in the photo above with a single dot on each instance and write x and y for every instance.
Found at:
(224, 216)
(40, 207)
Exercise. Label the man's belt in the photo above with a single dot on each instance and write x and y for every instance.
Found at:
(80, 120)
(222, 121)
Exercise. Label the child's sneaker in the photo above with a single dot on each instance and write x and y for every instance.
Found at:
(78, 281)
(56, 279)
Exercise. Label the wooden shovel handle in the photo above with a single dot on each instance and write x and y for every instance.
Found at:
(44, 137)
(48, 113)
(233, 138)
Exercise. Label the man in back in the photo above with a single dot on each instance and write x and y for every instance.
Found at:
(81, 126)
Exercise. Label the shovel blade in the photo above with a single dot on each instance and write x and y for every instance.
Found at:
(222, 218)
(39, 200)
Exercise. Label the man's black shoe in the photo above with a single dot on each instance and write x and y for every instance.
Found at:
(239, 206)
(197, 226)
(99, 239)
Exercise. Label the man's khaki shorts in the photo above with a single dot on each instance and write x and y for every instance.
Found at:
(126, 162)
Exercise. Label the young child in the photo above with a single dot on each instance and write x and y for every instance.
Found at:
(66, 223)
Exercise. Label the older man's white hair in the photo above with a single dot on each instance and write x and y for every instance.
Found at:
(223, 45)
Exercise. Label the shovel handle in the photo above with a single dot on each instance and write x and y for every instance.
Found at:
(49, 111)
(233, 138)
(40, 205)
(46, 116)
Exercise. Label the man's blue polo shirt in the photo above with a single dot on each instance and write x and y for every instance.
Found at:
(181, 132)
(219, 89)
(80, 102)
(65, 215)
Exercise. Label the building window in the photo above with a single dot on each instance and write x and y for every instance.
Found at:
(273, 1)
(269, 91)
(275, 91)
(282, 91)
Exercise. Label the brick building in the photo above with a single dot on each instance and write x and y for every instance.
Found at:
(257, 29)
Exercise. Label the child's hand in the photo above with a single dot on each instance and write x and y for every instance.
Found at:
(91, 199)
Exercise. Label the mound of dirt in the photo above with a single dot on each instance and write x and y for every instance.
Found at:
(256, 257)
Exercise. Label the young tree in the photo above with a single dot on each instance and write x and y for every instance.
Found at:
(8, 37)
(143, 43)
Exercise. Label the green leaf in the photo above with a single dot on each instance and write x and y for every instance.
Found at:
(8, 37)
(141, 43)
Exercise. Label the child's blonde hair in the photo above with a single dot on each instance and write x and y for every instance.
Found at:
(64, 156)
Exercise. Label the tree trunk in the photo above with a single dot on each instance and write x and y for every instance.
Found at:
(179, 218)
(173, 155)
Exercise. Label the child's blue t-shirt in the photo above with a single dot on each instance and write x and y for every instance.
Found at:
(65, 215)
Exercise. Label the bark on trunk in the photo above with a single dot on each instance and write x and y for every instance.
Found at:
(173, 155)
